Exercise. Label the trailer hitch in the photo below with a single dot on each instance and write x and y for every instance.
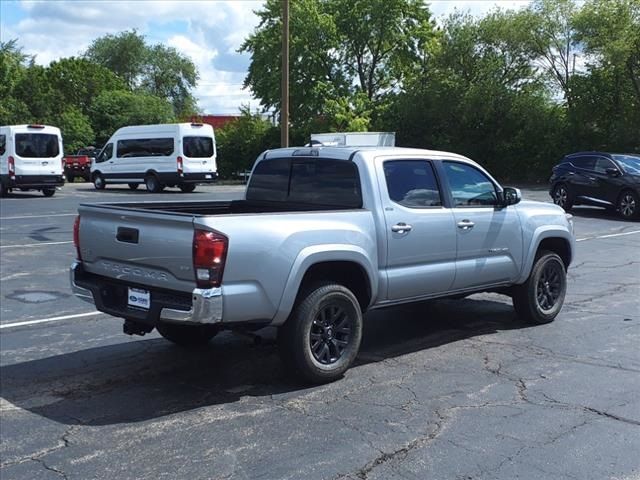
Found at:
(131, 327)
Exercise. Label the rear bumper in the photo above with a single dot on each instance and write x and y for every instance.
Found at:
(33, 181)
(201, 307)
(174, 178)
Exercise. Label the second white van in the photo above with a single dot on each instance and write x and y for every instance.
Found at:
(170, 155)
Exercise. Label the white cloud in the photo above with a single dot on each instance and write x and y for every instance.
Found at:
(443, 8)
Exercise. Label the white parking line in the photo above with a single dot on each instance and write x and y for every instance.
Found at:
(45, 320)
(607, 236)
(35, 244)
(39, 216)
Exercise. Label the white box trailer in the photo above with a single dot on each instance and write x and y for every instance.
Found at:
(354, 139)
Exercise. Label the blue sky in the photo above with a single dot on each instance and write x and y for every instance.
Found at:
(209, 32)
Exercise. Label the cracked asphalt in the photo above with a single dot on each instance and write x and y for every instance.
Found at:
(451, 389)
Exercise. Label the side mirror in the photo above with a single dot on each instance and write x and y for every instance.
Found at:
(613, 172)
(511, 196)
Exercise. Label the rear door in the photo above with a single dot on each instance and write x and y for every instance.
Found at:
(421, 236)
(488, 236)
(37, 152)
(604, 187)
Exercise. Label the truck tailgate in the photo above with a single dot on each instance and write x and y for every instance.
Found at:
(138, 246)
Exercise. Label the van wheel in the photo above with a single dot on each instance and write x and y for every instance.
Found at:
(133, 186)
(321, 338)
(540, 298)
(48, 191)
(187, 335)
(153, 184)
(98, 181)
(187, 187)
(3, 190)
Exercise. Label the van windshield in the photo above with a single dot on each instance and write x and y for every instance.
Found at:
(37, 145)
(197, 147)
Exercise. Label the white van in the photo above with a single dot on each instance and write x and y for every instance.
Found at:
(179, 154)
(30, 158)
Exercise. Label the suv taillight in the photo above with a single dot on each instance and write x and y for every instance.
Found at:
(180, 170)
(209, 257)
(76, 237)
(12, 167)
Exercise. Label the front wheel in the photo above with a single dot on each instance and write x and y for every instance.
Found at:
(3, 190)
(153, 184)
(187, 335)
(321, 338)
(540, 298)
(562, 197)
(98, 182)
(629, 205)
(187, 187)
(48, 191)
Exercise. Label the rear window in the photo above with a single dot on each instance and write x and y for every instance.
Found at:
(145, 147)
(197, 147)
(3, 144)
(37, 145)
(332, 183)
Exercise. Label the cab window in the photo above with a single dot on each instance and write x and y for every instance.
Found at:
(469, 186)
(412, 183)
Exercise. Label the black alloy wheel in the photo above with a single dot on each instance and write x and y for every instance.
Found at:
(549, 286)
(628, 205)
(561, 196)
(330, 334)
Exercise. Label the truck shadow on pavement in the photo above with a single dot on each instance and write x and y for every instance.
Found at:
(145, 379)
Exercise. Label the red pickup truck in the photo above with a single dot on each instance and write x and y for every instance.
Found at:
(79, 165)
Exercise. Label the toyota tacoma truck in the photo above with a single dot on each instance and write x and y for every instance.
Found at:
(322, 235)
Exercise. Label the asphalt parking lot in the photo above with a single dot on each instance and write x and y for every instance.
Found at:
(444, 390)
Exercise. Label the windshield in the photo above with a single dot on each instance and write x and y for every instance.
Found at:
(37, 145)
(197, 147)
(629, 163)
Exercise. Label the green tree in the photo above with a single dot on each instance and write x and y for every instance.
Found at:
(76, 130)
(154, 69)
(114, 109)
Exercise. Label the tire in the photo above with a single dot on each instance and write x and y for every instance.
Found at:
(70, 177)
(187, 335)
(629, 205)
(98, 182)
(3, 190)
(49, 191)
(540, 298)
(320, 339)
(153, 184)
(133, 186)
(562, 196)
(187, 187)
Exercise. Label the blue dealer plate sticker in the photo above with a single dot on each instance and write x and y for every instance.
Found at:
(139, 298)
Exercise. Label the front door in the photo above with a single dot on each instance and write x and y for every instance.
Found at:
(488, 236)
(420, 231)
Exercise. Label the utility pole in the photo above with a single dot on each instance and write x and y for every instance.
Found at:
(284, 102)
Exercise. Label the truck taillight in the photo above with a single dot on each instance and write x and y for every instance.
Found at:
(180, 170)
(76, 236)
(209, 257)
(12, 167)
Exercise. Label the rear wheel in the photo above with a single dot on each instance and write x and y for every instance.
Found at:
(133, 186)
(629, 205)
(98, 181)
(48, 191)
(3, 190)
(187, 335)
(562, 197)
(540, 298)
(321, 338)
(187, 187)
(153, 184)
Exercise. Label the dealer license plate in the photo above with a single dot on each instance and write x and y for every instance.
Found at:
(139, 298)
(207, 176)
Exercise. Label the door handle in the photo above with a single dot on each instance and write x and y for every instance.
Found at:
(466, 225)
(401, 228)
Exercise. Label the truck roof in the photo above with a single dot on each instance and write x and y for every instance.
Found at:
(347, 153)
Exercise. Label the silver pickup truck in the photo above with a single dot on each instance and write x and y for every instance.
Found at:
(323, 235)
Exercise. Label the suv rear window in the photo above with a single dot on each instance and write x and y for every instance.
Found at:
(37, 145)
(317, 181)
